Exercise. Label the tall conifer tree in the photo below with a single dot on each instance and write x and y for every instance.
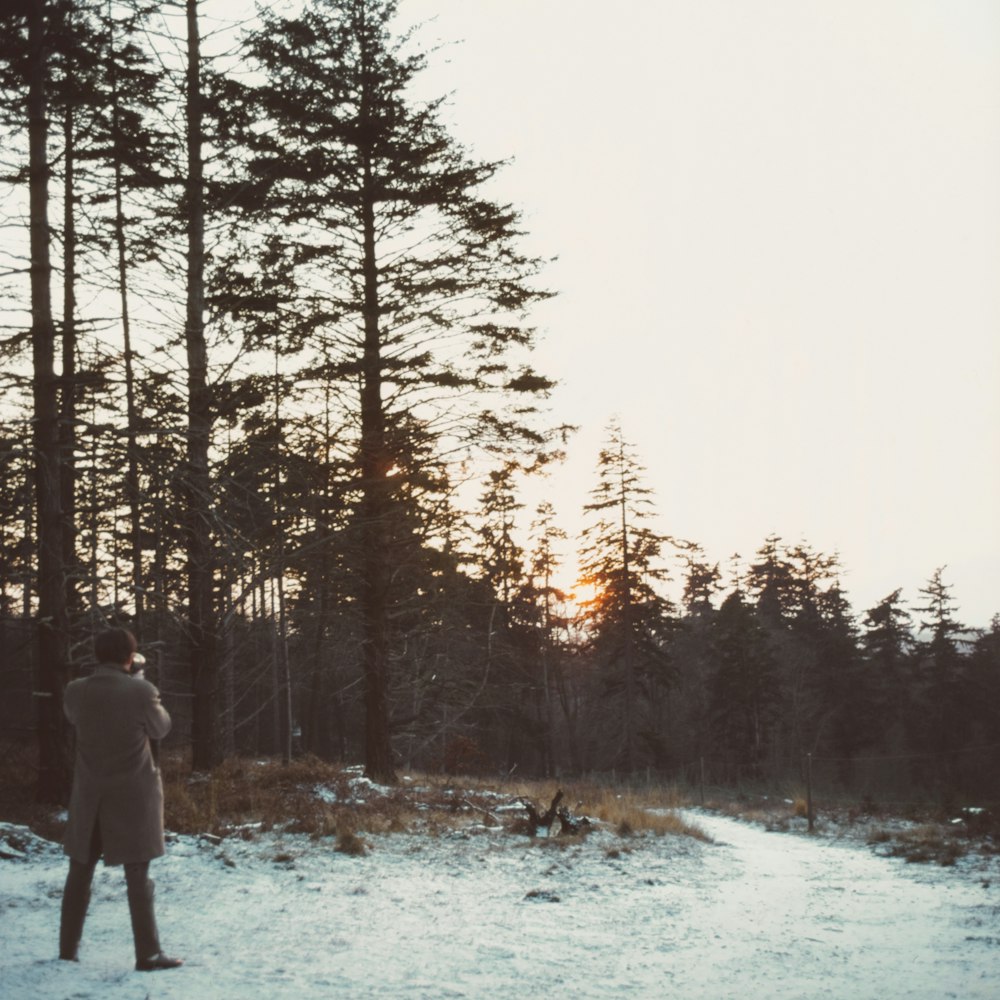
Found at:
(627, 619)
(387, 261)
(53, 625)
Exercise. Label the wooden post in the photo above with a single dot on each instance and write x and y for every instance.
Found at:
(701, 761)
(809, 790)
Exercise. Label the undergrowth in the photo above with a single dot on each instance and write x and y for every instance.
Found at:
(243, 798)
(310, 796)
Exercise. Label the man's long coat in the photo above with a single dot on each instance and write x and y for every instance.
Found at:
(116, 783)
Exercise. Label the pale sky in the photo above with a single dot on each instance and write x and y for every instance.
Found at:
(777, 225)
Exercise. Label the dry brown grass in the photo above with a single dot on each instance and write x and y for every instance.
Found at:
(241, 797)
(930, 842)
(630, 813)
(245, 797)
(352, 844)
(917, 833)
(266, 795)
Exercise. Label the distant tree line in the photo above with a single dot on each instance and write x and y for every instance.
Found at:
(262, 323)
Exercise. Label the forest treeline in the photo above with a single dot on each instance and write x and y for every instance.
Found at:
(268, 401)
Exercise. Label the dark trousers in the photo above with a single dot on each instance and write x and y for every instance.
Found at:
(76, 897)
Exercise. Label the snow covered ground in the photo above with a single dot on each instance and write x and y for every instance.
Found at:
(489, 914)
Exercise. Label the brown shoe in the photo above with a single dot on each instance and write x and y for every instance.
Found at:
(157, 962)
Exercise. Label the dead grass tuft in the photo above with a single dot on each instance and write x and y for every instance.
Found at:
(351, 844)
(632, 813)
(307, 796)
(929, 843)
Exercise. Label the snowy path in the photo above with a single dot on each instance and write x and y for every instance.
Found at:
(754, 915)
(795, 917)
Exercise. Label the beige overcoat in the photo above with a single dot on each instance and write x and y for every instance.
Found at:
(116, 782)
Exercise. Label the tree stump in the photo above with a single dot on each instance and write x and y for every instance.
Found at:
(542, 821)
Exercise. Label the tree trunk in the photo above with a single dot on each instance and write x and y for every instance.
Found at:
(197, 485)
(374, 517)
(67, 423)
(629, 638)
(52, 668)
(282, 666)
(374, 481)
(131, 415)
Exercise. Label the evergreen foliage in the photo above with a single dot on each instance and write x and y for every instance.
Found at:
(293, 325)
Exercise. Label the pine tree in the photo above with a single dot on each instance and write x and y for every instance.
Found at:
(701, 581)
(693, 648)
(381, 255)
(848, 719)
(772, 582)
(938, 719)
(628, 621)
(513, 643)
(745, 697)
(53, 625)
(547, 618)
(788, 584)
(196, 479)
(136, 155)
(985, 696)
(886, 645)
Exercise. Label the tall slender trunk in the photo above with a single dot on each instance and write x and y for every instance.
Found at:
(374, 541)
(568, 702)
(158, 582)
(93, 514)
(52, 666)
(131, 414)
(197, 485)
(546, 648)
(228, 682)
(629, 638)
(281, 619)
(314, 703)
(271, 628)
(67, 418)
(374, 483)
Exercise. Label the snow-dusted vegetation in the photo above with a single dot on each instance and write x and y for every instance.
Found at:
(444, 892)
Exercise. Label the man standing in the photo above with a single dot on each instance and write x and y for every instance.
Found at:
(116, 807)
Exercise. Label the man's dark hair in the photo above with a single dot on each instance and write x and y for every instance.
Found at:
(116, 645)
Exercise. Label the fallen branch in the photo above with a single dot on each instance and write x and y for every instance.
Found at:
(483, 810)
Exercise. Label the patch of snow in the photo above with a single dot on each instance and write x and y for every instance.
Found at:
(326, 794)
(18, 843)
(362, 785)
(483, 913)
